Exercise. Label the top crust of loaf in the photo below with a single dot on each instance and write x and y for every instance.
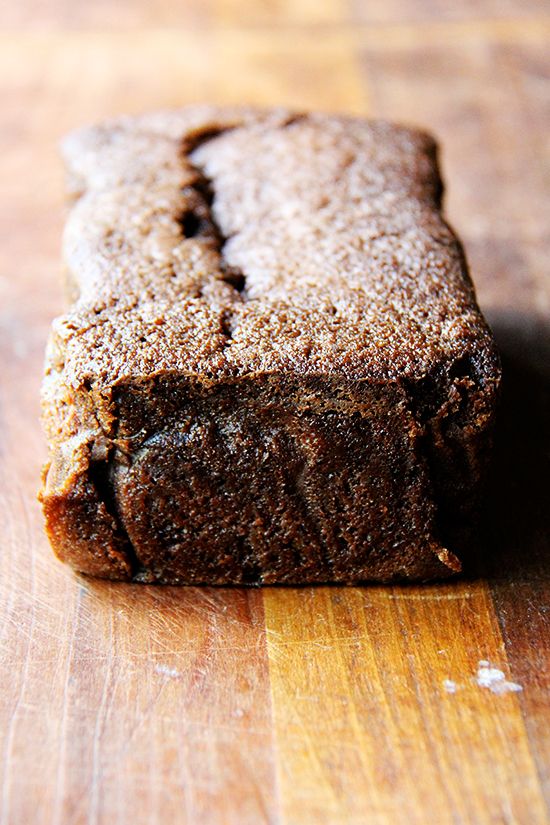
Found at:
(324, 252)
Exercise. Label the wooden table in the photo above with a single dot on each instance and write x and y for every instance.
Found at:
(124, 704)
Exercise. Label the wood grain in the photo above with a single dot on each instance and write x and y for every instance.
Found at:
(316, 705)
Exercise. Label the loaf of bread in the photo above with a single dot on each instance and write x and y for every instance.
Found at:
(273, 368)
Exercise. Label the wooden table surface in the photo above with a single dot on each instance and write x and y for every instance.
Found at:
(127, 705)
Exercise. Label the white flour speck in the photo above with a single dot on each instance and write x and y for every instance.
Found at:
(171, 672)
(494, 679)
(450, 686)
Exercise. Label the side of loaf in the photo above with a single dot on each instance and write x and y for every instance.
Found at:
(273, 368)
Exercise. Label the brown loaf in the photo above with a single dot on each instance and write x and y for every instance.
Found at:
(274, 368)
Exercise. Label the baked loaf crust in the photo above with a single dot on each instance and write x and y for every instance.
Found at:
(274, 368)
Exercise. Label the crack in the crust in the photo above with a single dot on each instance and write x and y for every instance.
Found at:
(198, 220)
(428, 394)
(426, 400)
(99, 477)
